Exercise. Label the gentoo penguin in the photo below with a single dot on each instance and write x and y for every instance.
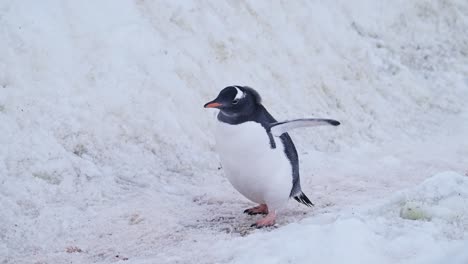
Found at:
(258, 156)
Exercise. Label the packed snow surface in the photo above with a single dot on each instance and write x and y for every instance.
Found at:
(107, 154)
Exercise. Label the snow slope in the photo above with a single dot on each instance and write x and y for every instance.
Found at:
(108, 154)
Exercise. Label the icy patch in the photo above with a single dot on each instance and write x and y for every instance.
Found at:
(381, 234)
(414, 211)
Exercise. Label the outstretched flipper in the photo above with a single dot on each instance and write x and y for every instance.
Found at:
(279, 128)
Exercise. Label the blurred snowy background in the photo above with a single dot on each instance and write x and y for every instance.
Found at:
(107, 154)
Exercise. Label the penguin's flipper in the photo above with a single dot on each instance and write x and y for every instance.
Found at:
(279, 128)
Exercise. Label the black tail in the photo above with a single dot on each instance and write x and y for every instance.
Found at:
(302, 198)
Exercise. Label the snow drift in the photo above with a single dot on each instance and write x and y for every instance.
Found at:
(106, 147)
(372, 235)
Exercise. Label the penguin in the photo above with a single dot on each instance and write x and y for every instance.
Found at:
(256, 152)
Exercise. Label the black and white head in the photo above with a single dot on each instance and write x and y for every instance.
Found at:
(236, 101)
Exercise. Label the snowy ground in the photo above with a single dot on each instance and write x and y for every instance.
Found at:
(107, 154)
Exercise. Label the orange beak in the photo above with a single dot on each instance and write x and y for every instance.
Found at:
(212, 105)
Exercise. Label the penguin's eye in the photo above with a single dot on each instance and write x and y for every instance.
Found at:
(235, 101)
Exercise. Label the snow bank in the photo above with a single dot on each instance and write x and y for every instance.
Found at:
(376, 235)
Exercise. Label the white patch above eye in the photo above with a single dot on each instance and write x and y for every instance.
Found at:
(239, 94)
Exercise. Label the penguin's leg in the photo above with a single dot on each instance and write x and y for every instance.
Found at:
(260, 209)
(268, 220)
(276, 197)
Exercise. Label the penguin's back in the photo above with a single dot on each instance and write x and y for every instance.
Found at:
(258, 171)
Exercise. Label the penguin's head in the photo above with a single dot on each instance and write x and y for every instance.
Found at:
(236, 100)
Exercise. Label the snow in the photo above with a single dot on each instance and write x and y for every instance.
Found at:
(107, 153)
(376, 234)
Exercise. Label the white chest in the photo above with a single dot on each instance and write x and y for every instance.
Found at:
(255, 169)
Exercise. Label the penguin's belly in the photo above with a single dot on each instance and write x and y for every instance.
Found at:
(260, 173)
